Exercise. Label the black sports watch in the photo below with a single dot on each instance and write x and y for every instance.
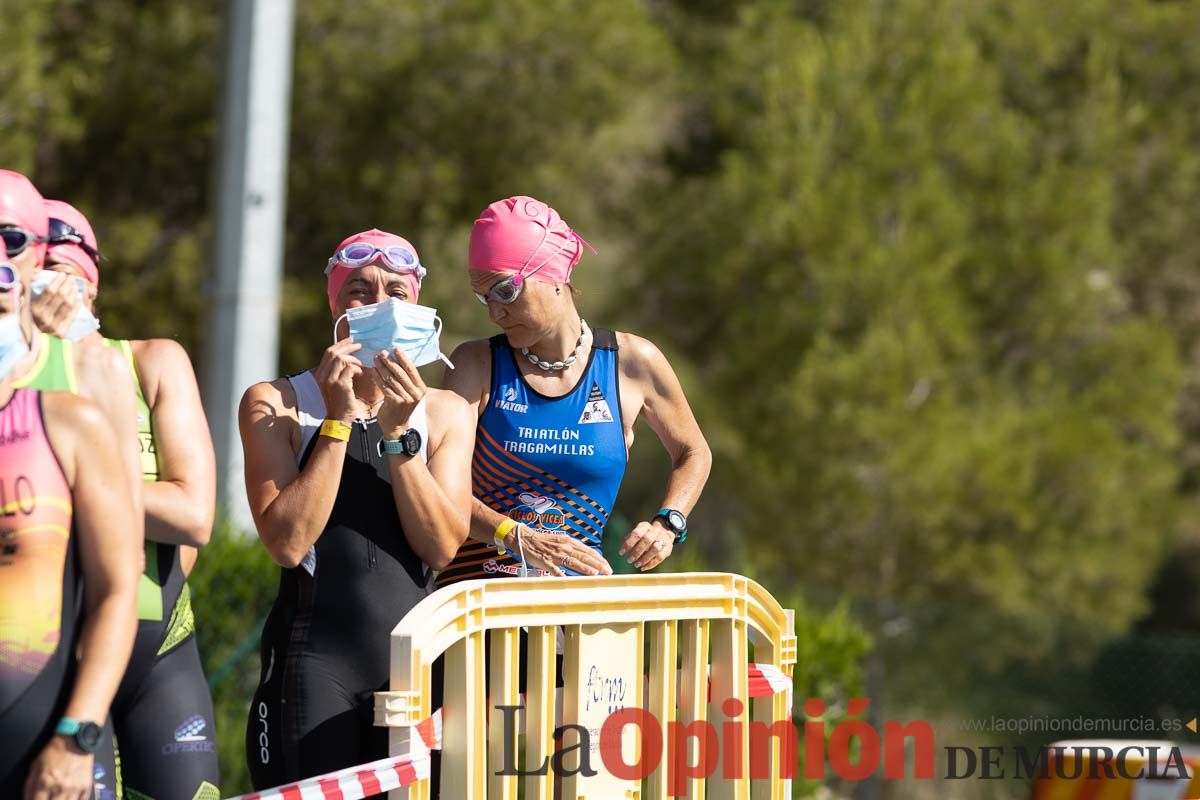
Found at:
(86, 734)
(409, 444)
(674, 521)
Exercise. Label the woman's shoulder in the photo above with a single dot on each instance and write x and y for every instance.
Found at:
(638, 354)
(447, 413)
(277, 397)
(158, 350)
(472, 351)
(472, 371)
(445, 407)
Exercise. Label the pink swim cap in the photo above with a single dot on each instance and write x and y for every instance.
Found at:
(21, 203)
(528, 237)
(338, 272)
(68, 251)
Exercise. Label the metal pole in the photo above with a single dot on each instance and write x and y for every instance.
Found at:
(251, 199)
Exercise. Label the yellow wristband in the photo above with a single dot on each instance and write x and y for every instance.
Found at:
(335, 430)
(501, 531)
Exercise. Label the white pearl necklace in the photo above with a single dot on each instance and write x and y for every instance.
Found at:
(568, 361)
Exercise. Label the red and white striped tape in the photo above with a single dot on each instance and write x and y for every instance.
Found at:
(366, 780)
(354, 783)
(764, 680)
(767, 679)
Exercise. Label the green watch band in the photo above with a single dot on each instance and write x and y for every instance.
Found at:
(673, 521)
(86, 734)
(67, 726)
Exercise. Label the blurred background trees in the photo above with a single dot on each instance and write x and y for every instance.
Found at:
(927, 269)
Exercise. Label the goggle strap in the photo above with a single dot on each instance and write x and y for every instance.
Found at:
(584, 242)
(548, 259)
(519, 278)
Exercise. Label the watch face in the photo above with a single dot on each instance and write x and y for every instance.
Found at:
(412, 441)
(677, 521)
(88, 737)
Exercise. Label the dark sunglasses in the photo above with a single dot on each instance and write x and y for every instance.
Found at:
(63, 233)
(16, 240)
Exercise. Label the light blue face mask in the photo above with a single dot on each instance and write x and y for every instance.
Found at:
(394, 323)
(84, 321)
(13, 346)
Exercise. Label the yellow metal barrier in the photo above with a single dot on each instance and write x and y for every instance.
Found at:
(616, 630)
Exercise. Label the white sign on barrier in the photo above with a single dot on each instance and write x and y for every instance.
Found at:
(602, 669)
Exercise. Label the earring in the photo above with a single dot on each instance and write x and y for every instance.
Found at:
(558, 290)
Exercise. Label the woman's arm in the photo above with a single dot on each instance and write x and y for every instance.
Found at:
(539, 550)
(110, 548)
(434, 499)
(292, 506)
(104, 379)
(670, 417)
(179, 505)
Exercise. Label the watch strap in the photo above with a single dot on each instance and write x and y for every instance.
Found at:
(665, 515)
(84, 733)
(393, 447)
(68, 727)
(400, 447)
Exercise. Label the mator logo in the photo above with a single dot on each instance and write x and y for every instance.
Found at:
(507, 401)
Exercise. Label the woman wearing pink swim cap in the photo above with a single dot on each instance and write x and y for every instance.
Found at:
(557, 401)
(70, 587)
(164, 682)
(358, 478)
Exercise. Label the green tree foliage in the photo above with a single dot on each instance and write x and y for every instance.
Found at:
(895, 252)
(110, 106)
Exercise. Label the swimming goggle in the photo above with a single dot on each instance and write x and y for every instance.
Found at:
(8, 278)
(62, 233)
(16, 240)
(504, 292)
(508, 290)
(395, 258)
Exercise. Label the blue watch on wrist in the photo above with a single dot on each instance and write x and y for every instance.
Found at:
(674, 521)
(86, 734)
(409, 444)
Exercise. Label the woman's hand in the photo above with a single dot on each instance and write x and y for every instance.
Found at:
(648, 545)
(55, 307)
(335, 375)
(554, 552)
(61, 772)
(402, 388)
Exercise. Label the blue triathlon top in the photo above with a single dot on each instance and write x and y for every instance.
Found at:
(551, 463)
